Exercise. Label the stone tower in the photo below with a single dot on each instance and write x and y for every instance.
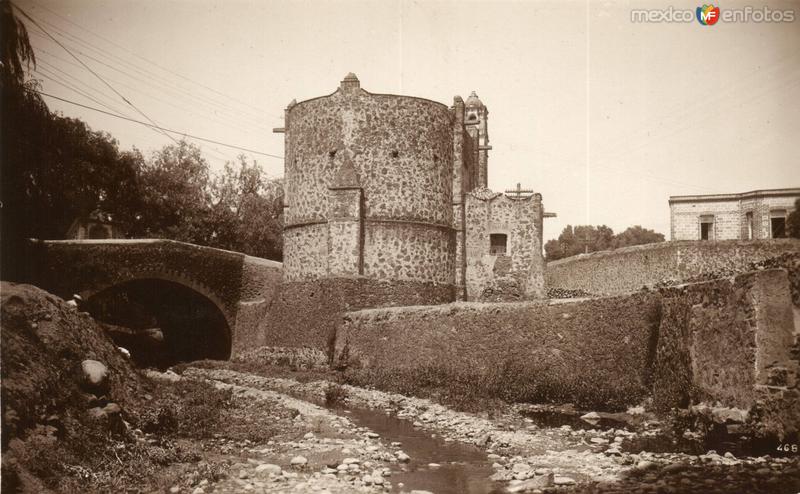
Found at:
(476, 123)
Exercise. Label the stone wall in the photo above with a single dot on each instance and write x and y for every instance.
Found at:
(631, 268)
(261, 279)
(399, 151)
(729, 342)
(305, 314)
(519, 274)
(592, 352)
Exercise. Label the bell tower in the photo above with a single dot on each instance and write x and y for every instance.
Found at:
(476, 122)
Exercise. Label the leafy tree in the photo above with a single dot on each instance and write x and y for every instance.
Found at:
(793, 221)
(175, 199)
(239, 209)
(636, 235)
(247, 213)
(585, 238)
(578, 240)
(16, 53)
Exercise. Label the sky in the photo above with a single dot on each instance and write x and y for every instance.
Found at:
(605, 117)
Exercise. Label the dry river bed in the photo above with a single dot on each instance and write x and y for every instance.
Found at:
(384, 442)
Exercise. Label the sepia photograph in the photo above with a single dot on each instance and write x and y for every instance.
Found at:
(400, 246)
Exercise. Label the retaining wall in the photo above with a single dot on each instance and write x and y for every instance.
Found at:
(630, 268)
(305, 314)
(731, 342)
(596, 351)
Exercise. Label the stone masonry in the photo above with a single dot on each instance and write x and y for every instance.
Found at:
(379, 187)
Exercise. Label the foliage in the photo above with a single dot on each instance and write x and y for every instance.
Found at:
(636, 235)
(186, 408)
(584, 238)
(793, 221)
(472, 391)
(239, 209)
(16, 52)
(56, 169)
(335, 394)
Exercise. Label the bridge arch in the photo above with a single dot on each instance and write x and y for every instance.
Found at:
(194, 321)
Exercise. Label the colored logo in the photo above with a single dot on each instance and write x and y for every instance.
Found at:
(707, 15)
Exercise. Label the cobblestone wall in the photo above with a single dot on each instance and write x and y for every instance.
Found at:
(631, 268)
(522, 266)
(727, 342)
(590, 352)
(401, 152)
(305, 313)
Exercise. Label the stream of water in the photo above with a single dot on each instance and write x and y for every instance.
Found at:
(463, 469)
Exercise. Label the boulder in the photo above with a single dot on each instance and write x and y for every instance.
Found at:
(94, 376)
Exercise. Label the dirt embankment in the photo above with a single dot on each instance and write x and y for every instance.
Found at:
(76, 415)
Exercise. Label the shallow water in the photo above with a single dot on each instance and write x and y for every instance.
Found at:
(464, 469)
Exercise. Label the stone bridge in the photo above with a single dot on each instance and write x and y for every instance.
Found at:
(231, 288)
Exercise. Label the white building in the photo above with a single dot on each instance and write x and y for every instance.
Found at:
(749, 215)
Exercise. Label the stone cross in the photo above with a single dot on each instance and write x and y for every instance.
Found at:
(519, 191)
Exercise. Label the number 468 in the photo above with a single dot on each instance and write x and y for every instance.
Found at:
(786, 448)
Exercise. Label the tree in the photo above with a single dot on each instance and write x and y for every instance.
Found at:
(248, 209)
(578, 240)
(585, 238)
(793, 221)
(16, 53)
(239, 209)
(636, 235)
(175, 199)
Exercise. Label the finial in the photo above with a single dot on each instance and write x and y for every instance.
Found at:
(350, 83)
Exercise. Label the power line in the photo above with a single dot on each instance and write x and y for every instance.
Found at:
(258, 112)
(155, 125)
(151, 78)
(163, 129)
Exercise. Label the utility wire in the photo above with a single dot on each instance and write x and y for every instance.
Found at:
(258, 112)
(154, 124)
(163, 129)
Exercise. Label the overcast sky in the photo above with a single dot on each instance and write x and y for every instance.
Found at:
(605, 117)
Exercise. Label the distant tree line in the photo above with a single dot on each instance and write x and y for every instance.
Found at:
(581, 239)
(55, 169)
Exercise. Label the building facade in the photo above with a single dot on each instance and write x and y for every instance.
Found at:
(388, 187)
(758, 214)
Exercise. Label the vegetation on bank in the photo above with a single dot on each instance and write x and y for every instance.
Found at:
(60, 434)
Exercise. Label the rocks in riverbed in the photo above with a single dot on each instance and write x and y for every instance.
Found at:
(299, 462)
(267, 469)
(563, 480)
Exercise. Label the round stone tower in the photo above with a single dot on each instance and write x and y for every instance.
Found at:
(368, 180)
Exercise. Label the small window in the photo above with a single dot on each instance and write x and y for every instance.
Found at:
(707, 227)
(777, 222)
(497, 244)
